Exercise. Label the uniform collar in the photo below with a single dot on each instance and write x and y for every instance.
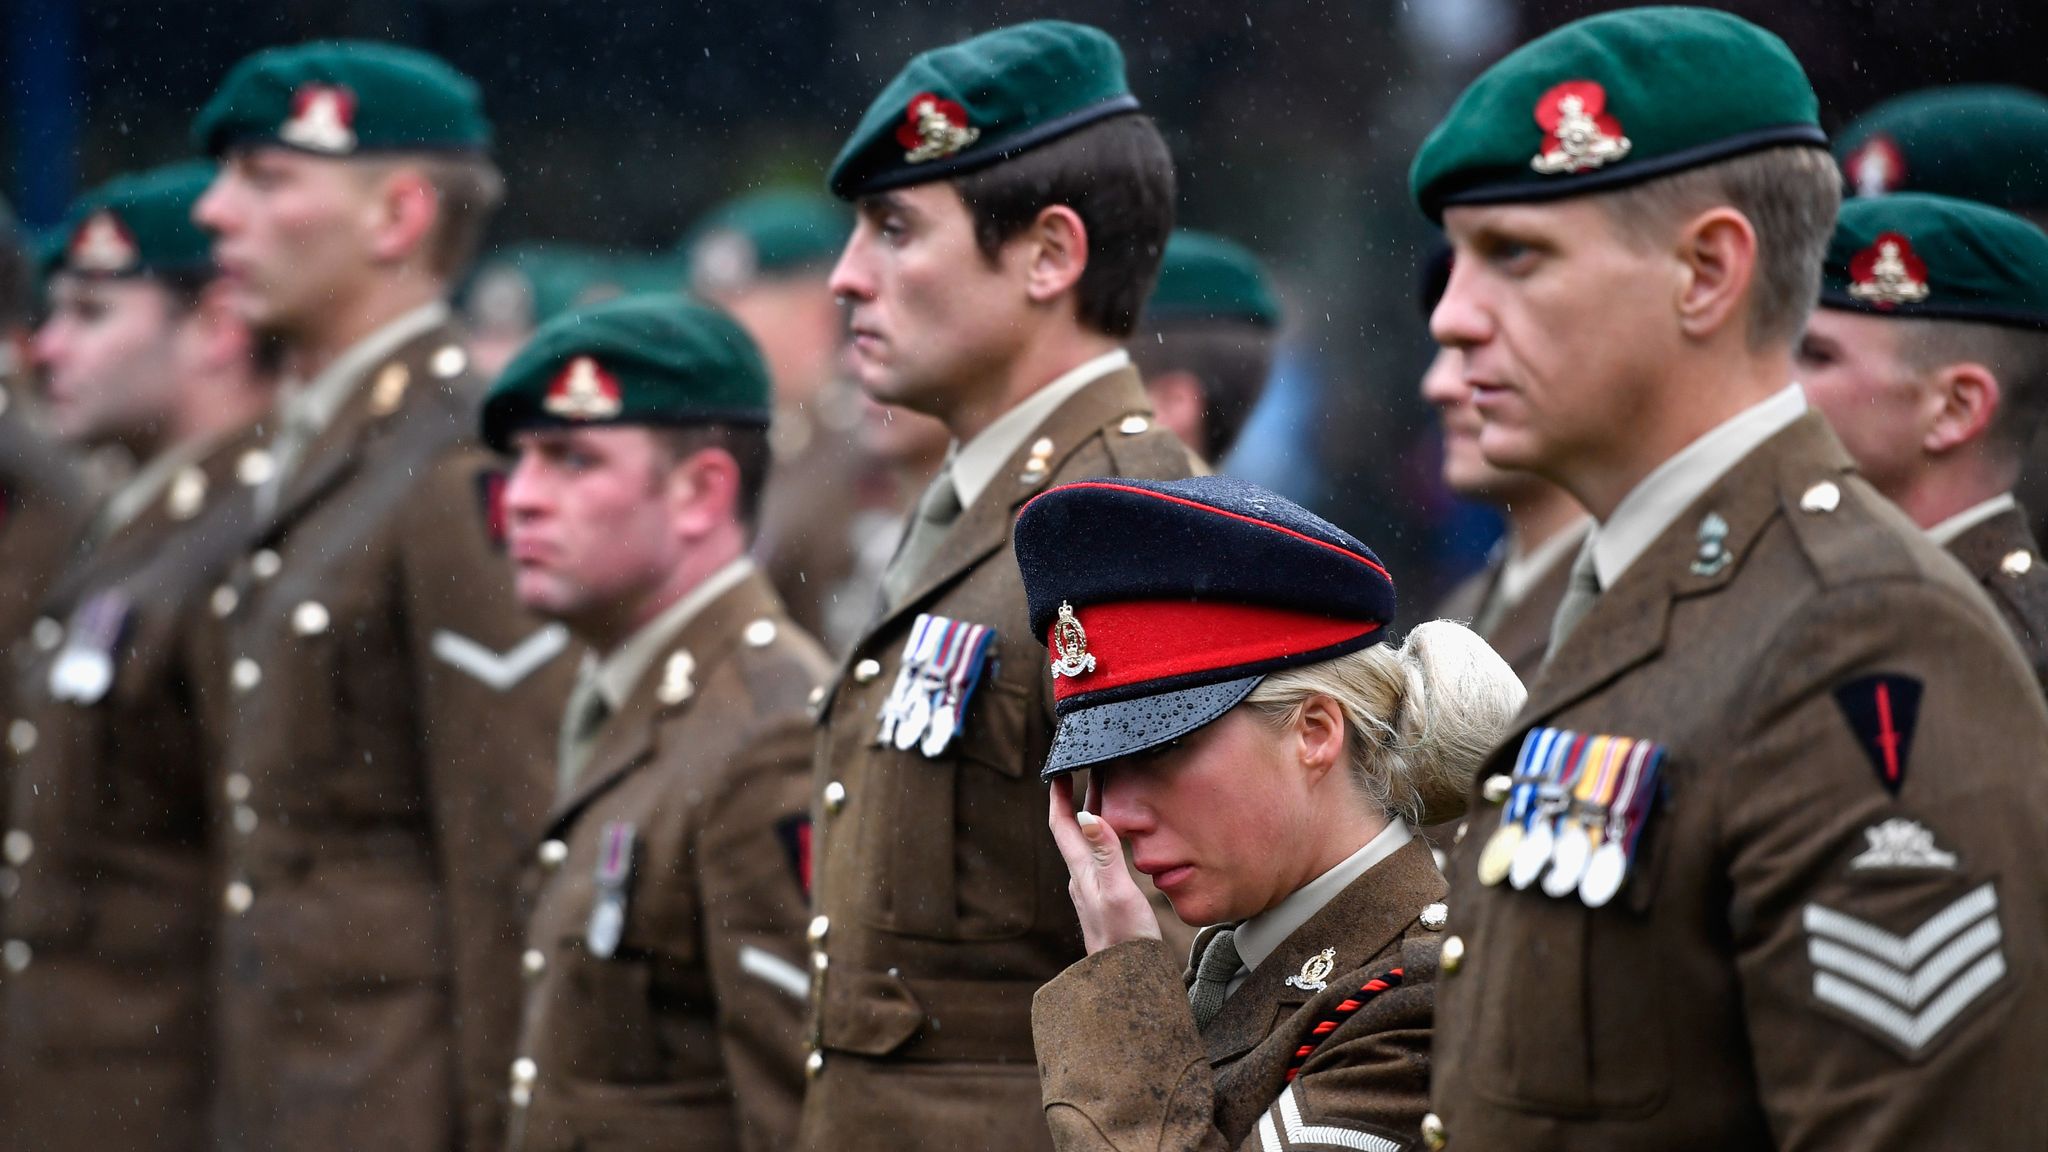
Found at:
(618, 673)
(1945, 533)
(1656, 501)
(314, 404)
(1522, 570)
(1258, 937)
(977, 462)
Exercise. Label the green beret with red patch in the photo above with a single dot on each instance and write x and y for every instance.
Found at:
(344, 97)
(982, 101)
(136, 225)
(639, 360)
(1205, 277)
(1983, 142)
(1914, 255)
(1614, 100)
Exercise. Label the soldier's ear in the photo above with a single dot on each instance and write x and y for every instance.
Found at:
(1970, 400)
(1717, 256)
(405, 211)
(704, 493)
(1057, 252)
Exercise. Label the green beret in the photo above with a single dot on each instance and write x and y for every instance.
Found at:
(981, 101)
(765, 234)
(135, 225)
(1936, 257)
(1206, 277)
(640, 360)
(1980, 142)
(526, 285)
(342, 97)
(1613, 100)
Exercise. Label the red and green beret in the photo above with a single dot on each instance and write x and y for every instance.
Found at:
(136, 225)
(344, 97)
(1983, 142)
(1913, 255)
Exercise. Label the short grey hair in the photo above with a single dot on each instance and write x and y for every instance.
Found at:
(2016, 357)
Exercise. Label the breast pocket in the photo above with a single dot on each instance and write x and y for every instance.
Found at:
(960, 833)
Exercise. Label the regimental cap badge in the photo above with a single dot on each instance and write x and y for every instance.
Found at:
(1070, 655)
(322, 119)
(584, 391)
(1888, 273)
(1876, 167)
(1581, 136)
(103, 244)
(1315, 972)
(934, 127)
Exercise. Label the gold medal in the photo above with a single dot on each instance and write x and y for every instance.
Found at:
(1499, 854)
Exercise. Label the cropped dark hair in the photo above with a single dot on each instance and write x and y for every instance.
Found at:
(747, 444)
(1117, 176)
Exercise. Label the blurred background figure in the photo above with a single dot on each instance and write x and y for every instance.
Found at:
(1929, 356)
(517, 289)
(1512, 600)
(107, 895)
(1206, 342)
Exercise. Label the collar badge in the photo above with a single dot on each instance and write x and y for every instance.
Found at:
(1315, 972)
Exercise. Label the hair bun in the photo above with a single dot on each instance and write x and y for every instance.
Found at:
(1459, 700)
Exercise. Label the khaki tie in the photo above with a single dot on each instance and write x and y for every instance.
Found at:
(1220, 962)
(936, 512)
(581, 723)
(295, 432)
(1581, 590)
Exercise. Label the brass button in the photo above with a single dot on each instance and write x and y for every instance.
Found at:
(760, 634)
(21, 736)
(552, 854)
(18, 846)
(1822, 497)
(1433, 1135)
(1453, 956)
(866, 671)
(225, 601)
(245, 819)
(814, 1064)
(237, 787)
(16, 954)
(820, 961)
(2017, 563)
(1041, 448)
(1133, 425)
(522, 1096)
(525, 1071)
(835, 797)
(238, 897)
(1496, 789)
(533, 962)
(1434, 916)
(47, 633)
(820, 925)
(246, 675)
(255, 467)
(817, 696)
(266, 564)
(449, 362)
(310, 618)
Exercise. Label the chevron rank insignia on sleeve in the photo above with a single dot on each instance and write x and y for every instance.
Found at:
(501, 671)
(1282, 1129)
(1906, 990)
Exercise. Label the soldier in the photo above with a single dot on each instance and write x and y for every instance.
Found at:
(1206, 344)
(388, 723)
(1012, 204)
(107, 897)
(1929, 358)
(1757, 865)
(765, 257)
(1981, 142)
(1269, 785)
(522, 287)
(665, 989)
(1512, 600)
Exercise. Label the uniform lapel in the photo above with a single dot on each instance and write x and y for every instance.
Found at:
(1367, 917)
(629, 738)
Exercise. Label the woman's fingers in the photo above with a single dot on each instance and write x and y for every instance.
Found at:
(1066, 831)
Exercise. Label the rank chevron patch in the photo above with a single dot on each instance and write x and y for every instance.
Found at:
(1907, 989)
(1290, 1131)
(501, 671)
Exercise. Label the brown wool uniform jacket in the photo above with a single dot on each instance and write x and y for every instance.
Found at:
(689, 1034)
(818, 487)
(1522, 634)
(942, 898)
(389, 718)
(43, 512)
(1800, 958)
(107, 897)
(1123, 1067)
(2002, 554)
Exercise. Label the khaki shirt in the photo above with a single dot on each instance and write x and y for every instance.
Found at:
(1817, 946)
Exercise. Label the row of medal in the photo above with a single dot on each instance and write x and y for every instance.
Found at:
(1574, 813)
(942, 666)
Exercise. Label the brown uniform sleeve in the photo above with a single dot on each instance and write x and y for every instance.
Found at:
(492, 684)
(748, 854)
(1888, 932)
(1122, 1066)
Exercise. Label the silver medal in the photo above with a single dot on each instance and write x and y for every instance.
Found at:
(1568, 861)
(607, 923)
(940, 732)
(1604, 874)
(81, 675)
(1532, 853)
(910, 729)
